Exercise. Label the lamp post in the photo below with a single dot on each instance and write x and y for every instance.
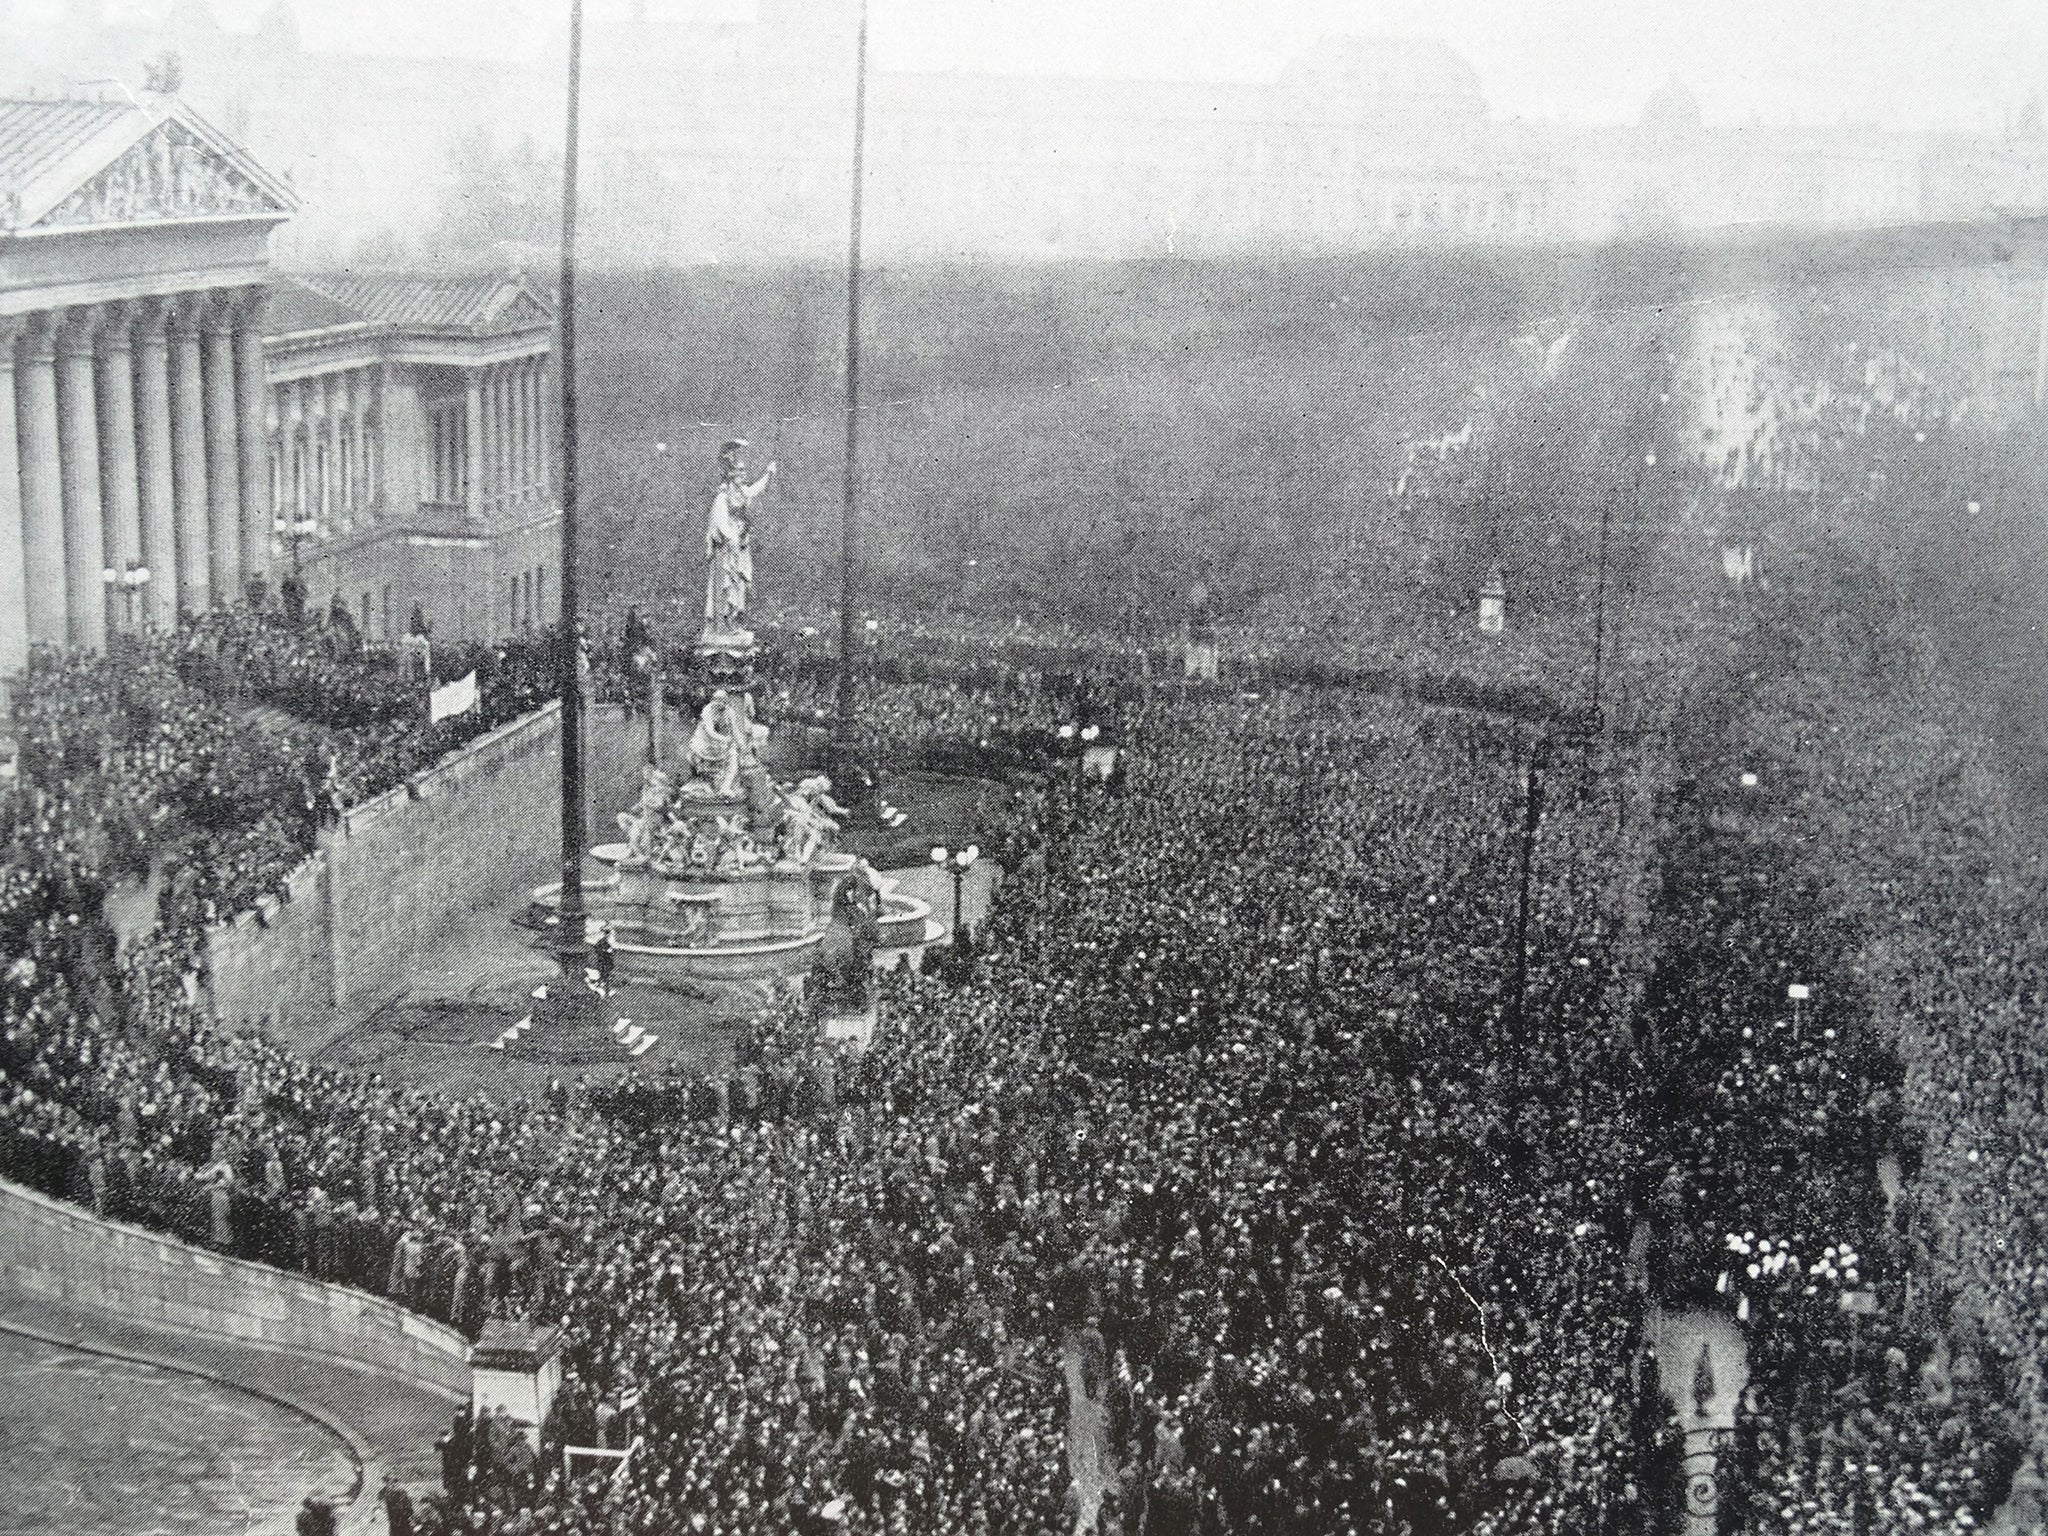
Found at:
(647, 662)
(956, 862)
(293, 533)
(130, 584)
(1089, 733)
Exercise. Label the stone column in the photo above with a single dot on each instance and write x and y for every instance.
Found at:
(548, 429)
(496, 433)
(156, 490)
(401, 452)
(223, 451)
(314, 404)
(510, 457)
(370, 424)
(252, 409)
(78, 434)
(533, 436)
(339, 479)
(473, 449)
(526, 429)
(13, 557)
(120, 491)
(42, 485)
(292, 445)
(188, 455)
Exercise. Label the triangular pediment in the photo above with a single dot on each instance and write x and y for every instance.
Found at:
(524, 308)
(171, 173)
(78, 165)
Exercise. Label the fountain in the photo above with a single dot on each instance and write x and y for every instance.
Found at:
(725, 874)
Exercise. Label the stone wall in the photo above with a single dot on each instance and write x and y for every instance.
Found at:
(374, 905)
(276, 961)
(64, 1254)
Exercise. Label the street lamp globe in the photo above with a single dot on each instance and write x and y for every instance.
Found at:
(968, 855)
(940, 855)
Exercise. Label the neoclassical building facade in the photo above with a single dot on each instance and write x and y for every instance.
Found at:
(179, 422)
(408, 445)
(133, 271)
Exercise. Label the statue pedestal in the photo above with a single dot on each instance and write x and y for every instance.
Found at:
(726, 660)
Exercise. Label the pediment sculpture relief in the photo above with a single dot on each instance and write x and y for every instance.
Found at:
(169, 175)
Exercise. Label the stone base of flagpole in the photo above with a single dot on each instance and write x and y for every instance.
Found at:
(574, 1024)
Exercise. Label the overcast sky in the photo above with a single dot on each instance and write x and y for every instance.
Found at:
(1909, 63)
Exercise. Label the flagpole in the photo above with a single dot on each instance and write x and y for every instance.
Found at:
(570, 946)
(848, 516)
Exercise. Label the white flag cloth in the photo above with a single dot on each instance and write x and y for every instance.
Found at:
(456, 698)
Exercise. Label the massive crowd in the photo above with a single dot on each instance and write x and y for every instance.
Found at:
(1260, 1105)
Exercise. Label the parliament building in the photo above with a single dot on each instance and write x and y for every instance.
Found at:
(181, 425)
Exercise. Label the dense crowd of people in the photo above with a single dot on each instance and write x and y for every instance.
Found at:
(1334, 1097)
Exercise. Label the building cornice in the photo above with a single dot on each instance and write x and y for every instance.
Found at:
(22, 301)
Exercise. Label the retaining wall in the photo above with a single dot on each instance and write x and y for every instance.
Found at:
(373, 904)
(62, 1253)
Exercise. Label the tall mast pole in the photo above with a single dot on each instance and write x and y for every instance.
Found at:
(848, 517)
(569, 650)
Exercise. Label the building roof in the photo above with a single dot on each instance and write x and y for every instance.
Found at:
(479, 304)
(37, 133)
(81, 163)
(293, 309)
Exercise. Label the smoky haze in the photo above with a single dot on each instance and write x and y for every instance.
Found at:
(717, 131)
(1926, 64)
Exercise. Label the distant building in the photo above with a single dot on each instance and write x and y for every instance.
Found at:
(734, 142)
(731, 141)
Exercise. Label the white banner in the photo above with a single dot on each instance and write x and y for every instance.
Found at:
(456, 698)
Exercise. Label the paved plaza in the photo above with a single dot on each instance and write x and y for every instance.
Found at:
(98, 1446)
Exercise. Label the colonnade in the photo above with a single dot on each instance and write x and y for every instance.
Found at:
(131, 437)
(325, 436)
(506, 420)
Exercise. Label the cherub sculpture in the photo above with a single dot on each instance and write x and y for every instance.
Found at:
(644, 824)
(810, 815)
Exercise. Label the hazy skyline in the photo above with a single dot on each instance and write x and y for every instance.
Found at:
(1964, 64)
